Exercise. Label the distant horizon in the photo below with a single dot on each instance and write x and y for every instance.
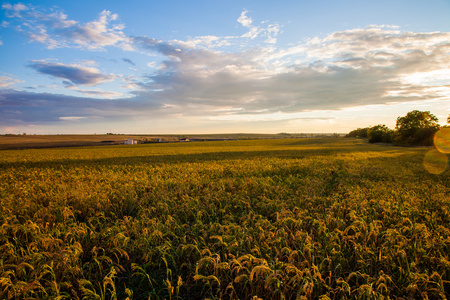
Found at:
(178, 134)
(231, 66)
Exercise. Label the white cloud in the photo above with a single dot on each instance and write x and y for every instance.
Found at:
(14, 10)
(366, 43)
(430, 78)
(98, 34)
(244, 20)
(55, 30)
(270, 32)
(206, 42)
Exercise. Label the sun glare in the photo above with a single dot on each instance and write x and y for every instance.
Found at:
(435, 162)
(442, 140)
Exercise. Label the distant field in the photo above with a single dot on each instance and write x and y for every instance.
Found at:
(273, 218)
(8, 142)
(51, 141)
(13, 142)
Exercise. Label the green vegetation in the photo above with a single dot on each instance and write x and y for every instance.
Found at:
(275, 219)
(379, 134)
(416, 128)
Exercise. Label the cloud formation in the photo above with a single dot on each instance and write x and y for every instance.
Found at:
(364, 66)
(20, 107)
(72, 74)
(55, 30)
(212, 77)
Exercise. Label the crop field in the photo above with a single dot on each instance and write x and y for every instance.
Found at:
(255, 219)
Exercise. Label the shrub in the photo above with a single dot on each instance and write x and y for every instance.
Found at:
(379, 134)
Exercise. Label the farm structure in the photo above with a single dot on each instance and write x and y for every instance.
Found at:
(130, 141)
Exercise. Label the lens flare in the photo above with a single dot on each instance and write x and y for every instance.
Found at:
(442, 140)
(435, 162)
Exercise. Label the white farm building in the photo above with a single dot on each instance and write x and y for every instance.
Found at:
(130, 142)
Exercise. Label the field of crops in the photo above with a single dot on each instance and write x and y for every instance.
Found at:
(270, 219)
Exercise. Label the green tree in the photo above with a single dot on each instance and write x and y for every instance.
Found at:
(359, 133)
(416, 128)
(379, 134)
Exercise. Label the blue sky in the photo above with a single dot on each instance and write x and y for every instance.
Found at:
(220, 66)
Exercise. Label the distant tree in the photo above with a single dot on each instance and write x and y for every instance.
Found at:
(416, 128)
(379, 134)
(358, 133)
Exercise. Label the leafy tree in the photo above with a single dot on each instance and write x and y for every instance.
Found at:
(379, 134)
(359, 133)
(416, 128)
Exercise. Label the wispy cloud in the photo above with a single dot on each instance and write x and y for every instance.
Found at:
(6, 81)
(71, 118)
(270, 32)
(14, 10)
(54, 29)
(99, 94)
(72, 74)
(207, 42)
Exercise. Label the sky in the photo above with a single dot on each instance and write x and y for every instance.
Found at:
(209, 66)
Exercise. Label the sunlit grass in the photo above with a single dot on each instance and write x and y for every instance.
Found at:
(276, 219)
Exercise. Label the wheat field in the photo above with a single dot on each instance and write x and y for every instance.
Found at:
(256, 219)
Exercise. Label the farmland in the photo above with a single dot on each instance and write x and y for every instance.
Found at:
(270, 219)
(23, 141)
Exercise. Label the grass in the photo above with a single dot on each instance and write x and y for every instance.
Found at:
(275, 219)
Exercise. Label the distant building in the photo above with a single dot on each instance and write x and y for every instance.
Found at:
(184, 140)
(130, 142)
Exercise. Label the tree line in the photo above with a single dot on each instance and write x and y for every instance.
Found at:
(416, 128)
